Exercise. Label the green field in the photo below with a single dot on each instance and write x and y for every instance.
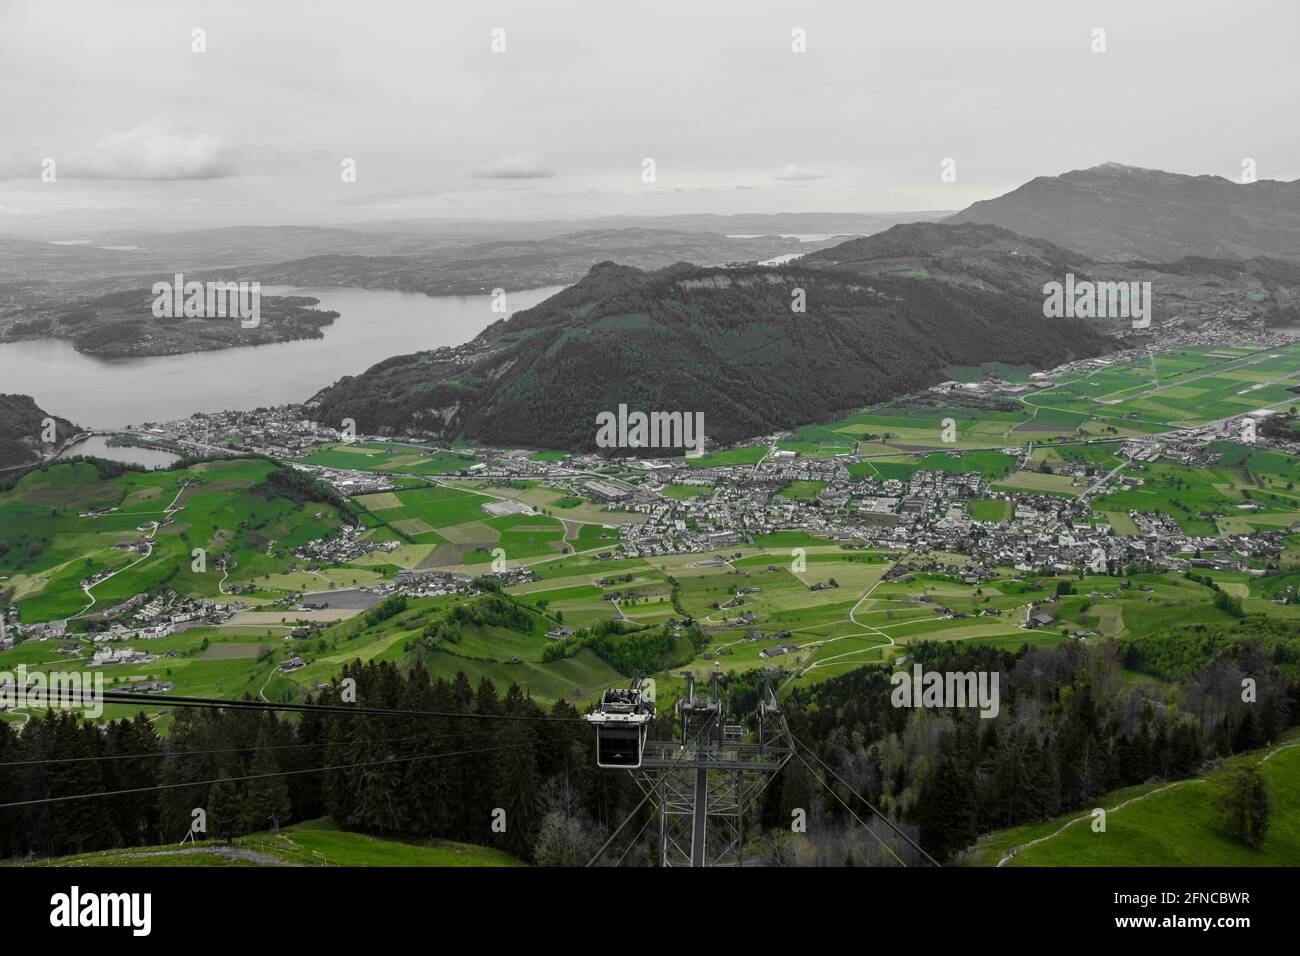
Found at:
(1183, 387)
(686, 492)
(1037, 482)
(1163, 824)
(1174, 389)
(423, 510)
(990, 510)
(377, 456)
(802, 490)
(988, 464)
(1245, 490)
(47, 548)
(313, 843)
(745, 455)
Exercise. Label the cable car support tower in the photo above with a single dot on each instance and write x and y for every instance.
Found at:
(703, 783)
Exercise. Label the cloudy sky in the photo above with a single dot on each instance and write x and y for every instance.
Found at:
(146, 133)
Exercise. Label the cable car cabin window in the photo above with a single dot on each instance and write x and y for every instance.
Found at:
(618, 747)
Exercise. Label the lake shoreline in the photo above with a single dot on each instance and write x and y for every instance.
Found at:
(107, 393)
(102, 446)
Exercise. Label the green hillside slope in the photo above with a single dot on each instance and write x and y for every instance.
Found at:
(313, 843)
(728, 342)
(1164, 824)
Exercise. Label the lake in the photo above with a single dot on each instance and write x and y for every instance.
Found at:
(97, 446)
(372, 325)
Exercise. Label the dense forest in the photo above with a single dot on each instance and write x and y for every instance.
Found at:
(249, 770)
(1071, 729)
(21, 428)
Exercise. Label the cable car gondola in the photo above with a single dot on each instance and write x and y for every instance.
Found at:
(622, 724)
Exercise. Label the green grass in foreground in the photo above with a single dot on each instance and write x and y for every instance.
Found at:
(1168, 825)
(314, 843)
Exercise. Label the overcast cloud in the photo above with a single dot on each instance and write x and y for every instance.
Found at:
(147, 133)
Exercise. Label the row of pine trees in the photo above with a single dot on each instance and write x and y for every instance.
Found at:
(488, 781)
(1071, 728)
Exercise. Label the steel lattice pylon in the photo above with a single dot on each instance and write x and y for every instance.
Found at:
(705, 782)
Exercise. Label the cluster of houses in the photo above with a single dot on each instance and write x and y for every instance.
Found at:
(346, 544)
(930, 512)
(421, 582)
(348, 481)
(144, 687)
(282, 432)
(137, 618)
(120, 655)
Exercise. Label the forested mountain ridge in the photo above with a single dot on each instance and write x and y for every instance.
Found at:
(980, 256)
(22, 428)
(727, 342)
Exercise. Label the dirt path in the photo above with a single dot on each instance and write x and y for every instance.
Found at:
(225, 852)
(1087, 816)
(148, 541)
(815, 646)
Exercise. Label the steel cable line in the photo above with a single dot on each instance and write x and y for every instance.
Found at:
(832, 792)
(910, 842)
(628, 849)
(250, 748)
(263, 776)
(619, 828)
(122, 697)
(626, 820)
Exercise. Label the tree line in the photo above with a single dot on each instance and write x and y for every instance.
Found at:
(1071, 729)
(250, 771)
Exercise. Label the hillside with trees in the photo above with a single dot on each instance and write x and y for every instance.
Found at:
(731, 343)
(22, 428)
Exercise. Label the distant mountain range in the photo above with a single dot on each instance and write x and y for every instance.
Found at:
(42, 275)
(1115, 212)
(754, 224)
(722, 341)
(417, 252)
(531, 263)
(887, 314)
(1191, 290)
